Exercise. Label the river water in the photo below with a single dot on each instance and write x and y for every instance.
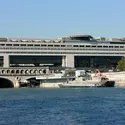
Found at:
(86, 106)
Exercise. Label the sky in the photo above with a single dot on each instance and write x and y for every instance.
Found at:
(57, 18)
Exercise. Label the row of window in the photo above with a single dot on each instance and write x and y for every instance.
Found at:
(66, 53)
(56, 45)
(59, 48)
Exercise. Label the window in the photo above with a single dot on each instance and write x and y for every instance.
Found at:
(43, 45)
(2, 44)
(50, 45)
(62, 45)
(110, 46)
(105, 46)
(37, 45)
(8, 44)
(15, 44)
(75, 45)
(81, 45)
(23, 44)
(30, 45)
(56, 45)
(93, 46)
(69, 45)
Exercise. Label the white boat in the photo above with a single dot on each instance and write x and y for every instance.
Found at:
(88, 81)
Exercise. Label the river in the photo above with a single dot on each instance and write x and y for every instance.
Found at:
(86, 106)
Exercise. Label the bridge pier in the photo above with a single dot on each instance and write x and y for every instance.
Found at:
(16, 84)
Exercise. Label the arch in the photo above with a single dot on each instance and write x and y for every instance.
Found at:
(12, 71)
(44, 71)
(17, 71)
(26, 71)
(3, 71)
(22, 72)
(6, 83)
(35, 71)
(31, 71)
(8, 71)
(40, 71)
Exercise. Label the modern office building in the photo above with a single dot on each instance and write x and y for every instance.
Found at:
(71, 51)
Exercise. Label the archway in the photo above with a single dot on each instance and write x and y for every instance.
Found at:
(6, 83)
(12, 71)
(3, 71)
(17, 71)
(40, 71)
(26, 72)
(8, 71)
(22, 72)
(44, 71)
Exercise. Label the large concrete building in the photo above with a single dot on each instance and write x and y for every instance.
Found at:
(72, 51)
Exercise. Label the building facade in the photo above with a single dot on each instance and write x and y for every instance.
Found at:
(72, 51)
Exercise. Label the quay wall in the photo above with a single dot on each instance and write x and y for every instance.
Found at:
(49, 85)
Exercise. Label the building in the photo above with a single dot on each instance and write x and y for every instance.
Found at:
(71, 51)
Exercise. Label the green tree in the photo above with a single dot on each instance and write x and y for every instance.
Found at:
(121, 64)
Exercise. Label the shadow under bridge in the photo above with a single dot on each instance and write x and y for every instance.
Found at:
(6, 83)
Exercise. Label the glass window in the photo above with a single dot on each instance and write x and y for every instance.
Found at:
(30, 45)
(8, 44)
(23, 44)
(37, 45)
(15, 44)
(62, 45)
(50, 45)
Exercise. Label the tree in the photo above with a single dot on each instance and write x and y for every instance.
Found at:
(121, 64)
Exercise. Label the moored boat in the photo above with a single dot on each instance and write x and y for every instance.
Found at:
(88, 80)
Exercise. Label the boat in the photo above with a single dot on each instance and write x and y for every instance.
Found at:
(88, 80)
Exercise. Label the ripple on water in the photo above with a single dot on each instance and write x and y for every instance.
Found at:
(89, 106)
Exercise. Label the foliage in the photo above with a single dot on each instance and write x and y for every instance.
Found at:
(121, 64)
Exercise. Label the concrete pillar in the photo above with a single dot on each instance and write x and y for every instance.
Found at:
(70, 61)
(63, 61)
(6, 61)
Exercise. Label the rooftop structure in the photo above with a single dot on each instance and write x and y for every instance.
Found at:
(61, 39)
